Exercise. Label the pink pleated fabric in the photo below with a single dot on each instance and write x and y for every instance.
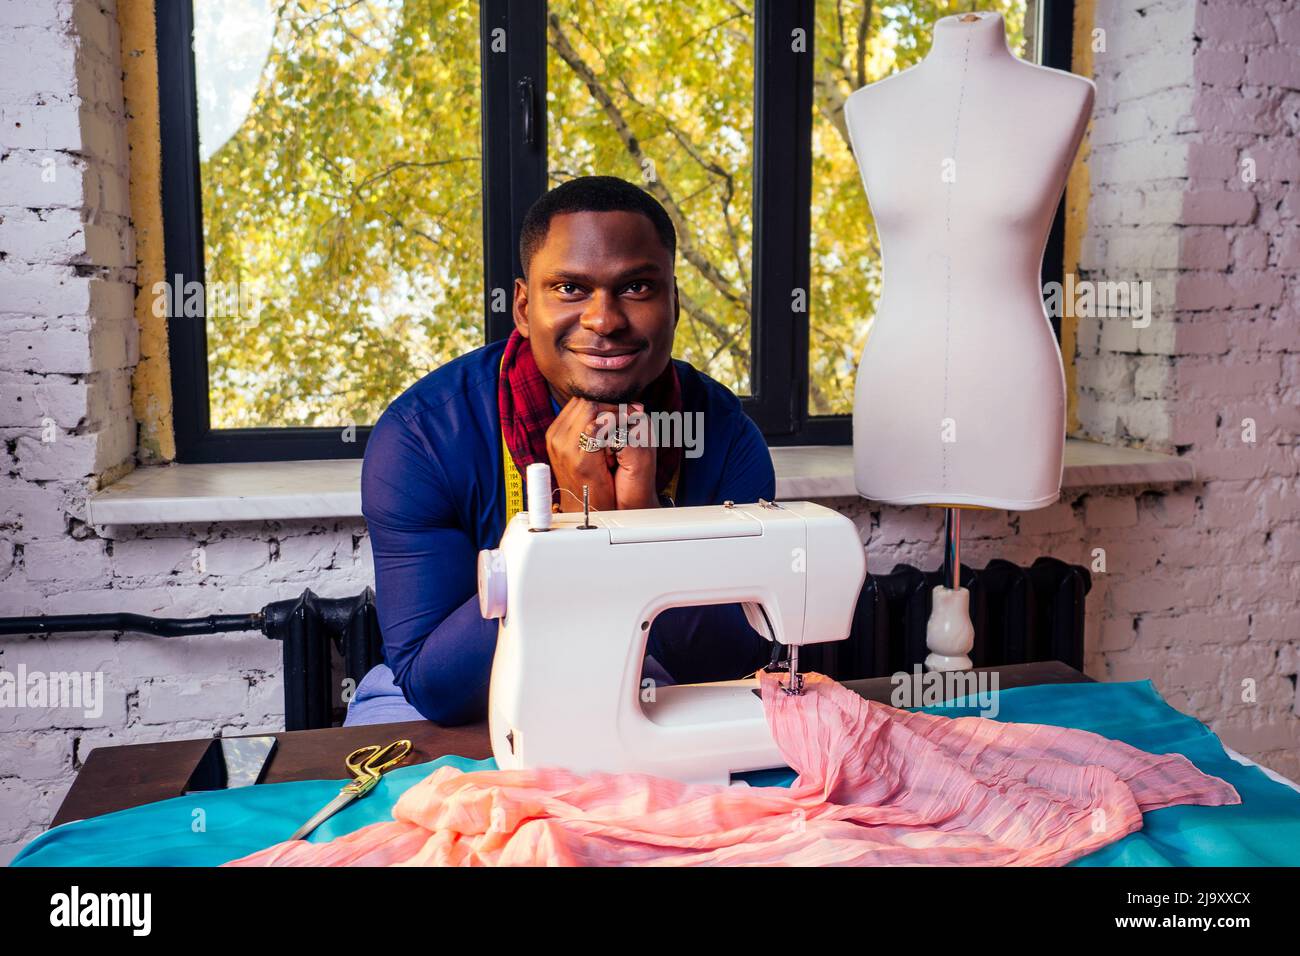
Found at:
(876, 786)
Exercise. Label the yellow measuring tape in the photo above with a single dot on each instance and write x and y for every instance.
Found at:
(514, 481)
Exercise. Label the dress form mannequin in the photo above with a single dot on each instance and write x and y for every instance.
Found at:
(960, 397)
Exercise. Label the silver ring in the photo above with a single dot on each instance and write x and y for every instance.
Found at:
(589, 444)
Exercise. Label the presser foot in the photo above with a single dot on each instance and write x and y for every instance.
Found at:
(793, 684)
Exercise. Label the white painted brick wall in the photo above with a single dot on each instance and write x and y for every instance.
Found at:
(1200, 587)
(69, 344)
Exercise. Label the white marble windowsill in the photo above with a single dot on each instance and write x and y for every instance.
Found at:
(174, 494)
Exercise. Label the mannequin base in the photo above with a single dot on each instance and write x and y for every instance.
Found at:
(948, 662)
(949, 635)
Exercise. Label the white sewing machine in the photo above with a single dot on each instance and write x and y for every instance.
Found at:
(576, 602)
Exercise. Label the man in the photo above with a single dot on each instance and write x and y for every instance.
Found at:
(594, 319)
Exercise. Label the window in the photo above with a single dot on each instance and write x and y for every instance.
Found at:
(344, 180)
(670, 109)
(860, 42)
(853, 51)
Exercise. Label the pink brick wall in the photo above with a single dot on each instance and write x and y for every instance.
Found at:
(1193, 190)
(1200, 581)
(1237, 358)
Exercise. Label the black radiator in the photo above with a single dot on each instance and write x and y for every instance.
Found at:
(1019, 614)
(326, 641)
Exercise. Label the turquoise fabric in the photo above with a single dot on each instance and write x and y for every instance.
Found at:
(211, 828)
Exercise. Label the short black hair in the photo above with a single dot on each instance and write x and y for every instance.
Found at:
(592, 194)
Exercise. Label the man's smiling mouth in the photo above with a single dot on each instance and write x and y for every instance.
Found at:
(606, 360)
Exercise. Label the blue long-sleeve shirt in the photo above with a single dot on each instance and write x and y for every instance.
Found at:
(432, 496)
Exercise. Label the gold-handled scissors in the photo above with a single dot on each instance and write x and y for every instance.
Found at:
(367, 765)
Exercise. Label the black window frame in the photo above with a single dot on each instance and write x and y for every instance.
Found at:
(514, 171)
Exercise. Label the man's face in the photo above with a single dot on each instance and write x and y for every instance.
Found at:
(599, 306)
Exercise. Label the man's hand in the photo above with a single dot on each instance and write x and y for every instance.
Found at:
(573, 467)
(616, 478)
(634, 472)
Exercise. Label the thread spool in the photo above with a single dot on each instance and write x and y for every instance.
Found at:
(538, 478)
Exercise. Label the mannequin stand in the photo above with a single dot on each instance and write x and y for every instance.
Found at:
(949, 634)
(952, 548)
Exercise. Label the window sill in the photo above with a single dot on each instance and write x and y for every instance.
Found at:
(826, 471)
(285, 491)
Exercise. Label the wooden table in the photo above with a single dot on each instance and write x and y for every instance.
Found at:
(115, 778)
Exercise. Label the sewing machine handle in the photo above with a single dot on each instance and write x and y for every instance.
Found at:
(491, 583)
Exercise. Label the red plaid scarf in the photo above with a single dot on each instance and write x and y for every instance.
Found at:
(524, 402)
